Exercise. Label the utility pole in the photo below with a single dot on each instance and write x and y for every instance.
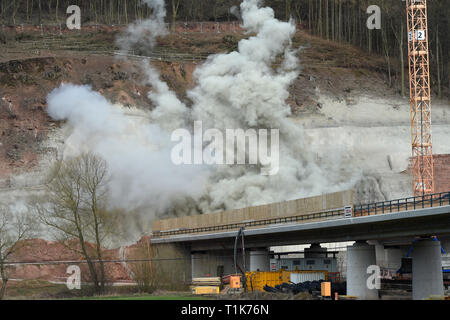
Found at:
(419, 77)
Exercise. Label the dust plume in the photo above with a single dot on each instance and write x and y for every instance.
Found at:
(244, 89)
(137, 152)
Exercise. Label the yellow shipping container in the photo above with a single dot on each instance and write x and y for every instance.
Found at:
(256, 280)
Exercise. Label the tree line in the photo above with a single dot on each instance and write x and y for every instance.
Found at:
(335, 20)
(345, 21)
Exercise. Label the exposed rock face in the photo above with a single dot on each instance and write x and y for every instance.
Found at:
(369, 190)
(25, 84)
(43, 251)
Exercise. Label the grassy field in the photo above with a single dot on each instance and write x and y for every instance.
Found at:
(41, 289)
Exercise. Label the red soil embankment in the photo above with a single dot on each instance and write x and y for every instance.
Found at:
(44, 260)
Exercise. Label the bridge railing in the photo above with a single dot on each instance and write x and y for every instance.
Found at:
(248, 224)
(391, 206)
(404, 204)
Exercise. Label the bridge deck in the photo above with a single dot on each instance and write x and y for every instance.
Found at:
(379, 208)
(405, 224)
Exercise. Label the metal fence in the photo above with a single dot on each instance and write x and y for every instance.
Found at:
(391, 206)
(292, 219)
(411, 203)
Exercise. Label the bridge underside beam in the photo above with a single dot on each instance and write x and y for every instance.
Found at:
(383, 227)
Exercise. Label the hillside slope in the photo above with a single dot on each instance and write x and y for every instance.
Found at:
(341, 97)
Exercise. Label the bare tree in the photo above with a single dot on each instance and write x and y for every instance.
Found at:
(399, 36)
(175, 6)
(14, 230)
(145, 272)
(387, 54)
(76, 208)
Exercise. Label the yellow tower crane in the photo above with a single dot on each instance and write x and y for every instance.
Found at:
(419, 77)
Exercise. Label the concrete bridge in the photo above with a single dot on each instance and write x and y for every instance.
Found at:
(378, 229)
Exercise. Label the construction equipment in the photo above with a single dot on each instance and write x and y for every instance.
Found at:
(243, 269)
(419, 76)
(235, 282)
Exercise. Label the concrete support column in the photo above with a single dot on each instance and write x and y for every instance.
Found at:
(175, 263)
(214, 263)
(359, 257)
(199, 264)
(427, 269)
(389, 259)
(393, 259)
(259, 260)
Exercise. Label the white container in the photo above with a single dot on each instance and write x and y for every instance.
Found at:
(307, 276)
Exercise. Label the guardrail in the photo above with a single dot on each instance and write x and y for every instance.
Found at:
(317, 215)
(384, 207)
(411, 203)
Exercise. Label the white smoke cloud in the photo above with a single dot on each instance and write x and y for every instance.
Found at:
(143, 34)
(170, 113)
(234, 10)
(242, 90)
(236, 90)
(137, 152)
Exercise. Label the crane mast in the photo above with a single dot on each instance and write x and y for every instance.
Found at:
(419, 76)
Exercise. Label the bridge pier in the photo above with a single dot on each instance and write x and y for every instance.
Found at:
(388, 258)
(198, 264)
(427, 269)
(174, 263)
(393, 259)
(214, 263)
(359, 257)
